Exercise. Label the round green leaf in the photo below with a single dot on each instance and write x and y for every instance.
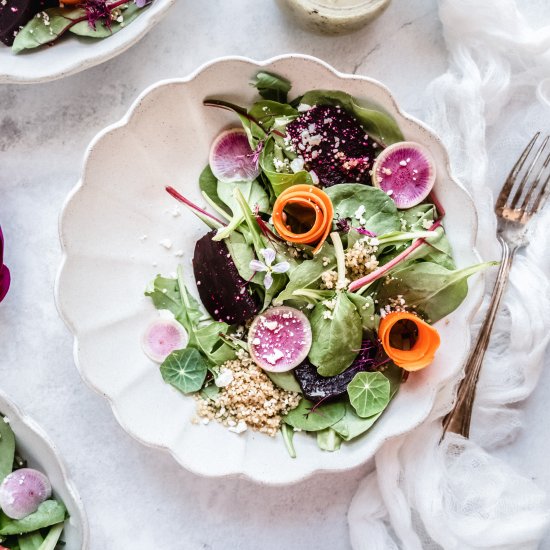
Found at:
(185, 369)
(369, 393)
(308, 420)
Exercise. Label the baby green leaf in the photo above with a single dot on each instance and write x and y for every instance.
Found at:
(185, 369)
(375, 121)
(369, 393)
(337, 336)
(271, 86)
(380, 213)
(288, 437)
(49, 513)
(208, 184)
(365, 308)
(321, 417)
(285, 380)
(7, 448)
(37, 33)
(31, 541)
(430, 288)
(254, 194)
(351, 425)
(267, 112)
(328, 440)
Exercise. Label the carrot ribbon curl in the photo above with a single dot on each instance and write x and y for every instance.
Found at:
(313, 204)
(423, 350)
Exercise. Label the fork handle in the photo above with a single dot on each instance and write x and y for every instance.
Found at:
(459, 419)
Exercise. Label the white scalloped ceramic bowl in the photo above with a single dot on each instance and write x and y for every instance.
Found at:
(35, 447)
(165, 139)
(73, 54)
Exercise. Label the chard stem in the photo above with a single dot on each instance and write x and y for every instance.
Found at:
(381, 271)
(216, 207)
(178, 196)
(340, 258)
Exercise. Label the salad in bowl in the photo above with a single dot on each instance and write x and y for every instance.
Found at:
(204, 360)
(322, 272)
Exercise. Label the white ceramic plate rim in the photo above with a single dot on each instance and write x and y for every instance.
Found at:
(130, 36)
(429, 400)
(11, 411)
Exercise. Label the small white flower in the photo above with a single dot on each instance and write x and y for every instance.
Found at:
(269, 257)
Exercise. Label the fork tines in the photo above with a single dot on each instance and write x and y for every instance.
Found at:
(528, 184)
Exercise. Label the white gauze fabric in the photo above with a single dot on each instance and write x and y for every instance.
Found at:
(422, 495)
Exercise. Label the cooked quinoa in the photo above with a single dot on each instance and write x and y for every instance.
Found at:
(250, 400)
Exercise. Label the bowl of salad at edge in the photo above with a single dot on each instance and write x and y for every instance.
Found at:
(39, 506)
(278, 269)
(42, 40)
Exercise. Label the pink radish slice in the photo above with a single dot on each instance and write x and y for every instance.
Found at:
(162, 337)
(232, 159)
(279, 339)
(406, 172)
(23, 491)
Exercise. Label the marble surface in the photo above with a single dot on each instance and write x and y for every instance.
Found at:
(138, 497)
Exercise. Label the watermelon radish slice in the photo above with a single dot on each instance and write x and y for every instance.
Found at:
(162, 337)
(23, 491)
(231, 158)
(406, 172)
(279, 339)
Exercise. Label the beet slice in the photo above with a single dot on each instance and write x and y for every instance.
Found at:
(333, 144)
(17, 13)
(322, 388)
(223, 292)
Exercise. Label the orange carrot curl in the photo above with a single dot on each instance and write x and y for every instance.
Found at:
(423, 349)
(312, 210)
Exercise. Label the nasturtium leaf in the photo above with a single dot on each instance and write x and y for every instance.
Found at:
(369, 393)
(185, 369)
(321, 417)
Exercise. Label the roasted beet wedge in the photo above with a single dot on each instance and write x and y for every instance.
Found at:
(320, 388)
(17, 13)
(223, 292)
(333, 144)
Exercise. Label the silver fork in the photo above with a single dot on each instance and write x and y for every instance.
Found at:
(523, 194)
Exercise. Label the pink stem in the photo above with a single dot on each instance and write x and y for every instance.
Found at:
(439, 207)
(356, 285)
(187, 202)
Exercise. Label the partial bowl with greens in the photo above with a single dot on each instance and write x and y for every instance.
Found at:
(39, 506)
(315, 278)
(43, 40)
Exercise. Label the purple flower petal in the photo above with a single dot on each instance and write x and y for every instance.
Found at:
(256, 265)
(268, 281)
(141, 3)
(281, 267)
(269, 255)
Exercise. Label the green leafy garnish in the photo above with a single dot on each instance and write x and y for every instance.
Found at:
(7, 448)
(328, 440)
(271, 86)
(185, 369)
(369, 393)
(311, 418)
(50, 512)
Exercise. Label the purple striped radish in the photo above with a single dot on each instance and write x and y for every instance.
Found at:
(406, 172)
(231, 158)
(279, 339)
(23, 491)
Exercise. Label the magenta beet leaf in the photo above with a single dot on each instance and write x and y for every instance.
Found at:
(4, 271)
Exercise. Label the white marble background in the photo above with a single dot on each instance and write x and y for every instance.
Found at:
(138, 497)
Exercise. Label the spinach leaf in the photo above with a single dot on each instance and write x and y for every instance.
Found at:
(380, 213)
(288, 437)
(336, 338)
(185, 369)
(36, 33)
(328, 440)
(30, 541)
(369, 393)
(351, 425)
(271, 86)
(323, 416)
(308, 273)
(280, 180)
(52, 538)
(241, 254)
(365, 307)
(285, 381)
(376, 122)
(267, 113)
(208, 184)
(417, 216)
(103, 31)
(208, 341)
(430, 288)
(252, 191)
(7, 448)
(49, 513)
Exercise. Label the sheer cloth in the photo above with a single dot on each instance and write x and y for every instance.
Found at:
(493, 97)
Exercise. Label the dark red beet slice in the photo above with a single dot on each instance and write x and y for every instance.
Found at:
(17, 13)
(223, 292)
(333, 144)
(320, 388)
